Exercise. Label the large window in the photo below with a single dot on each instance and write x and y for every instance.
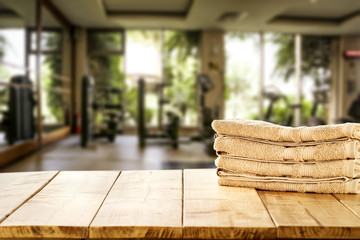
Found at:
(279, 81)
(55, 109)
(168, 62)
(105, 51)
(106, 65)
(242, 75)
(12, 57)
(180, 70)
(144, 58)
(315, 70)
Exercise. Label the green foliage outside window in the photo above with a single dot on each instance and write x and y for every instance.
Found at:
(241, 88)
(4, 75)
(54, 99)
(2, 46)
(53, 62)
(281, 112)
(180, 69)
(315, 50)
(316, 57)
(105, 63)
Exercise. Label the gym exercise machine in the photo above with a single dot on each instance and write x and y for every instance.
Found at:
(320, 98)
(274, 95)
(353, 112)
(18, 121)
(169, 130)
(111, 113)
(207, 114)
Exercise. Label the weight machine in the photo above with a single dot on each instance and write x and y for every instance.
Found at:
(274, 94)
(169, 131)
(207, 114)
(18, 120)
(112, 113)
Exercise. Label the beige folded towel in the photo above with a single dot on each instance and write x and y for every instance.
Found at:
(320, 169)
(325, 185)
(273, 132)
(349, 149)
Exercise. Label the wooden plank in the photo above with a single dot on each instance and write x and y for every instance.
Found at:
(63, 209)
(17, 188)
(351, 201)
(215, 212)
(142, 204)
(306, 215)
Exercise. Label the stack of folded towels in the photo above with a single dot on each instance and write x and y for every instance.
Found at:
(262, 155)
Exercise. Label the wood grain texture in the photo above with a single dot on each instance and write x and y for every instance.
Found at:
(306, 215)
(142, 204)
(216, 212)
(63, 209)
(17, 188)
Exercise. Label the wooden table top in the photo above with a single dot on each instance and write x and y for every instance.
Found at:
(164, 204)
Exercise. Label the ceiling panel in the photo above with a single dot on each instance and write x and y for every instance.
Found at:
(147, 5)
(322, 9)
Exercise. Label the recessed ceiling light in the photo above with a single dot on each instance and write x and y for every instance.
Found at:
(229, 17)
(313, 1)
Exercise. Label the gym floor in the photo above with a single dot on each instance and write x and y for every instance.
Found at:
(124, 154)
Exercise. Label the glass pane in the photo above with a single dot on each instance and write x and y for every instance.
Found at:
(280, 86)
(54, 108)
(107, 71)
(242, 75)
(180, 70)
(105, 41)
(50, 41)
(316, 57)
(143, 58)
(12, 57)
(143, 55)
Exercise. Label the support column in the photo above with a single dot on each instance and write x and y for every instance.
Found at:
(212, 59)
(261, 76)
(81, 65)
(298, 82)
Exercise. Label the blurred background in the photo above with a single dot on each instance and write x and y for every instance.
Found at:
(118, 84)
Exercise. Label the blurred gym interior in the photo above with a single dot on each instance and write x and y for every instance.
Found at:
(118, 84)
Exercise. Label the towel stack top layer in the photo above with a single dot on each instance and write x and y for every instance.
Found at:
(272, 132)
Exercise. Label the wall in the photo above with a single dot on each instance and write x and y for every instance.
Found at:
(345, 85)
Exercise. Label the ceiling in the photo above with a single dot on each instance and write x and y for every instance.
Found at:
(303, 16)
